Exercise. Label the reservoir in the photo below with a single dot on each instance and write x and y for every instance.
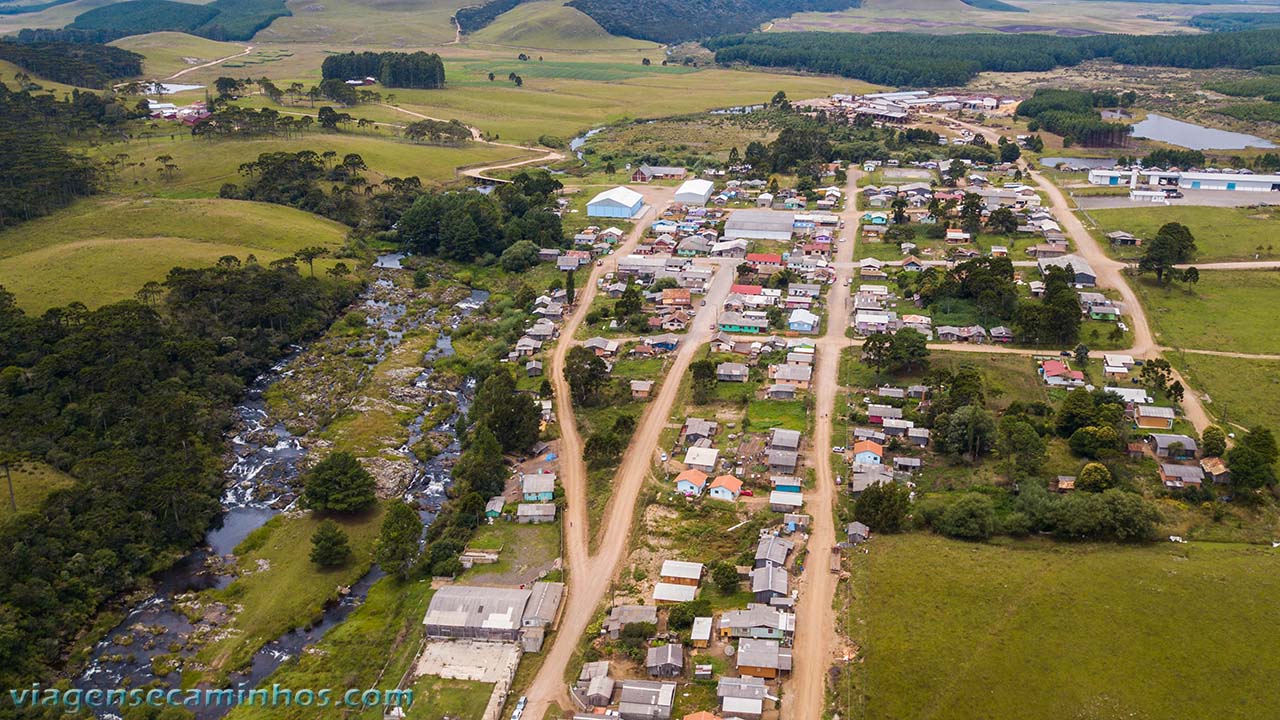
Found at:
(1193, 136)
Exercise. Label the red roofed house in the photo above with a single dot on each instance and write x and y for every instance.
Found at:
(725, 487)
(765, 262)
(746, 290)
(1056, 372)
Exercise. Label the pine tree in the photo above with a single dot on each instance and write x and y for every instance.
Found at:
(329, 545)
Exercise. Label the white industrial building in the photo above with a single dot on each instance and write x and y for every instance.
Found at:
(759, 225)
(1188, 180)
(619, 202)
(695, 192)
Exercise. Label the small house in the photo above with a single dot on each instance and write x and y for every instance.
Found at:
(763, 658)
(535, 513)
(725, 487)
(691, 482)
(769, 582)
(1153, 418)
(782, 461)
(1172, 446)
(665, 660)
(732, 372)
(680, 572)
(781, 501)
(538, 487)
(623, 615)
(868, 452)
(646, 700)
(701, 458)
(640, 389)
(700, 633)
(1178, 477)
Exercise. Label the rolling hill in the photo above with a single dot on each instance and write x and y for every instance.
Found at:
(551, 24)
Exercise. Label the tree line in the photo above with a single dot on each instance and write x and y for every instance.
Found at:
(92, 66)
(470, 226)
(41, 172)
(471, 19)
(917, 60)
(1073, 114)
(132, 400)
(218, 20)
(391, 69)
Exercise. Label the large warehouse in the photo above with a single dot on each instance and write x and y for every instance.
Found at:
(490, 613)
(1242, 181)
(620, 202)
(759, 225)
(695, 192)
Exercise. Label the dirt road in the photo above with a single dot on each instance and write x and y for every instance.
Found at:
(247, 49)
(812, 654)
(591, 575)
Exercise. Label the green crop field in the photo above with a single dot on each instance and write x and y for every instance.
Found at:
(366, 23)
(1039, 630)
(167, 52)
(1221, 234)
(551, 24)
(103, 250)
(1240, 391)
(1225, 310)
(32, 481)
(203, 166)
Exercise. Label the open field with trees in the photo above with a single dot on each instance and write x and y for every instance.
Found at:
(1221, 234)
(1224, 310)
(203, 166)
(32, 481)
(1027, 628)
(102, 250)
(166, 53)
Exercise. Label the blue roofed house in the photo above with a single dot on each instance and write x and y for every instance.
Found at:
(802, 320)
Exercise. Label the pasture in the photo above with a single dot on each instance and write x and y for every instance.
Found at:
(1221, 233)
(102, 250)
(1240, 391)
(366, 23)
(169, 52)
(1028, 628)
(1225, 310)
(32, 481)
(551, 24)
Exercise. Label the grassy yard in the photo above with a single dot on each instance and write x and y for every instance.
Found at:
(102, 250)
(1026, 629)
(1006, 377)
(205, 165)
(526, 549)
(787, 414)
(380, 636)
(435, 697)
(1240, 391)
(1221, 233)
(31, 483)
(1225, 310)
(272, 558)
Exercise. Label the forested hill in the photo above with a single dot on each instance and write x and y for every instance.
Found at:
(915, 60)
(673, 21)
(73, 64)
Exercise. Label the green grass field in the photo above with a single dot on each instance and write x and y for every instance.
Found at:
(367, 24)
(1225, 310)
(380, 636)
(1005, 377)
(102, 250)
(1221, 234)
(1034, 629)
(551, 24)
(272, 558)
(1240, 391)
(203, 167)
(31, 483)
(168, 52)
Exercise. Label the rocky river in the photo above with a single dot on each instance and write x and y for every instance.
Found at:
(164, 631)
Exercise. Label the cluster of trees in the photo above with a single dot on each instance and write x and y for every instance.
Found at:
(1073, 114)
(917, 60)
(132, 400)
(232, 121)
(676, 21)
(296, 180)
(467, 226)
(1172, 245)
(218, 20)
(987, 286)
(1172, 157)
(903, 351)
(337, 485)
(471, 19)
(438, 132)
(91, 66)
(1233, 21)
(1109, 515)
(41, 172)
(392, 69)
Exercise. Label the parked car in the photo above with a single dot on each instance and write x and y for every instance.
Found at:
(838, 449)
(747, 492)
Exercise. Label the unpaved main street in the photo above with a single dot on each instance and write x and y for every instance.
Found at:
(591, 575)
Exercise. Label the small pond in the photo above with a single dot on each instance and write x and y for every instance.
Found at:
(1193, 136)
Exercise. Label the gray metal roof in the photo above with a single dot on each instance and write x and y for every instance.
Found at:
(490, 608)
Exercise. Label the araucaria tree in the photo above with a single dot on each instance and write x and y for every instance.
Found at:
(339, 484)
(1172, 245)
(398, 540)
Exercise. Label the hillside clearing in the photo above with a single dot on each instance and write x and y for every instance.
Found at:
(102, 250)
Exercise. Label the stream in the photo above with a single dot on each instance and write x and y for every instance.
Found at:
(263, 467)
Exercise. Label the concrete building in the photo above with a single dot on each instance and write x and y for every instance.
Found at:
(491, 613)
